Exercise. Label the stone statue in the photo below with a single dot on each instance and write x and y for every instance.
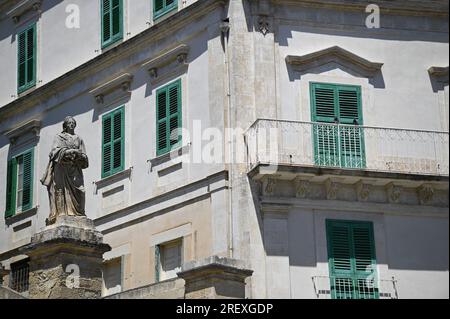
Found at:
(63, 176)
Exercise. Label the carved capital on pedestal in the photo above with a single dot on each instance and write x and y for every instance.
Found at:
(425, 194)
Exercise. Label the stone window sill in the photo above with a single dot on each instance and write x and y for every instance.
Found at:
(113, 178)
(19, 217)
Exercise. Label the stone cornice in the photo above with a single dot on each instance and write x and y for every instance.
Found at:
(24, 6)
(160, 30)
(178, 53)
(334, 54)
(400, 7)
(122, 81)
(33, 126)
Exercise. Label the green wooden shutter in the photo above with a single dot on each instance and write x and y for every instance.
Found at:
(337, 146)
(352, 261)
(112, 21)
(351, 135)
(157, 263)
(106, 145)
(325, 110)
(26, 72)
(10, 188)
(113, 145)
(168, 117)
(27, 199)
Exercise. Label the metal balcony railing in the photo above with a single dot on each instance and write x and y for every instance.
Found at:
(350, 288)
(281, 142)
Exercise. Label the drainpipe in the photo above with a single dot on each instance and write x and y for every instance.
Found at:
(225, 29)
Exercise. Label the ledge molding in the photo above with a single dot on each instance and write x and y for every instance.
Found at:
(334, 54)
(24, 6)
(33, 126)
(178, 54)
(122, 81)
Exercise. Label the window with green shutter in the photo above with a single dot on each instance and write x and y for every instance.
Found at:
(26, 59)
(168, 118)
(113, 142)
(338, 135)
(352, 260)
(112, 21)
(162, 7)
(19, 183)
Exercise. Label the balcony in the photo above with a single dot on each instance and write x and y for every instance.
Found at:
(349, 147)
(345, 288)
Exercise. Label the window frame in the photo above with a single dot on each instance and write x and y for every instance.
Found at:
(27, 85)
(165, 9)
(118, 37)
(352, 274)
(169, 147)
(13, 179)
(112, 170)
(339, 159)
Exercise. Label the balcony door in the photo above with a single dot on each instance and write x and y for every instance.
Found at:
(337, 116)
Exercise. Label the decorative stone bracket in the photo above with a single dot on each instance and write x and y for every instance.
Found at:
(174, 57)
(363, 191)
(33, 126)
(302, 188)
(331, 187)
(23, 7)
(425, 194)
(394, 193)
(440, 74)
(122, 82)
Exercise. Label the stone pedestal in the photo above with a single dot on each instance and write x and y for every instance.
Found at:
(66, 260)
(215, 278)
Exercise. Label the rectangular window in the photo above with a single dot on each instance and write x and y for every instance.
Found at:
(19, 278)
(162, 7)
(339, 138)
(113, 142)
(168, 118)
(112, 21)
(351, 260)
(112, 277)
(19, 194)
(168, 260)
(26, 59)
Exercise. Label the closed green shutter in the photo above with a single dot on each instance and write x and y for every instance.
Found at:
(112, 21)
(157, 263)
(10, 188)
(26, 68)
(161, 7)
(27, 199)
(26, 183)
(337, 145)
(352, 261)
(168, 117)
(113, 142)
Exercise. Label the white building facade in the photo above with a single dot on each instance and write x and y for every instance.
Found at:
(335, 184)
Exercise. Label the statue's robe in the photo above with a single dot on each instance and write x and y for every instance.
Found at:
(64, 178)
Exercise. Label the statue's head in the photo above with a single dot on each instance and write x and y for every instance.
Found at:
(69, 123)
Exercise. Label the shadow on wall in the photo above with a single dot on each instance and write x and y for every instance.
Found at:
(410, 243)
(9, 28)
